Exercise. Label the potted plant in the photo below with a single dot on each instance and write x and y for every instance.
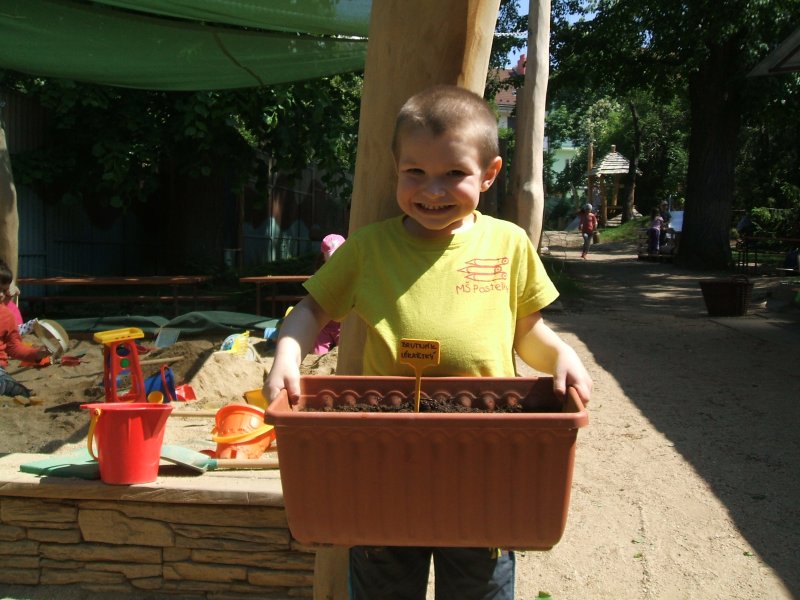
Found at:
(483, 478)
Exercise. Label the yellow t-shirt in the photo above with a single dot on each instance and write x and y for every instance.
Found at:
(466, 291)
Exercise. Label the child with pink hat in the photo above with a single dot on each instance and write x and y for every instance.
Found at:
(330, 243)
(329, 336)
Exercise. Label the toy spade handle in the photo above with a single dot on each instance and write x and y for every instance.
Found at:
(246, 463)
(90, 437)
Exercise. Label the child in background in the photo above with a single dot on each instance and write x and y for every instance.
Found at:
(329, 336)
(587, 225)
(10, 299)
(11, 344)
(654, 231)
(443, 271)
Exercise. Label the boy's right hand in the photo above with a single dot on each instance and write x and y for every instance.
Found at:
(284, 374)
(297, 334)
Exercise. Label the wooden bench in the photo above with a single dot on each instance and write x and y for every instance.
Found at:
(665, 254)
(183, 289)
(279, 301)
(41, 304)
(766, 255)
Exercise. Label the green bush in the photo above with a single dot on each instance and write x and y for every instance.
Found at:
(776, 222)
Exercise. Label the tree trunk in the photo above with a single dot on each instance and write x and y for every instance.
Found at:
(527, 171)
(9, 218)
(630, 183)
(715, 122)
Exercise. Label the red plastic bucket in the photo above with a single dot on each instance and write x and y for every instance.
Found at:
(128, 438)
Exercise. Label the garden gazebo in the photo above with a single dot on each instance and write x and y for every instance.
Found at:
(612, 165)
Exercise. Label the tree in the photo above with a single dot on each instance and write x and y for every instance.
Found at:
(115, 150)
(633, 167)
(700, 49)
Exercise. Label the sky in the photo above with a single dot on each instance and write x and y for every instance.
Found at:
(514, 56)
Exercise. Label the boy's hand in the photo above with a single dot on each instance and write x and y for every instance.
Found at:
(297, 334)
(569, 371)
(284, 374)
(545, 351)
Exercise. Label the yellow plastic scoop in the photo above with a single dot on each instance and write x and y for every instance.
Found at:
(419, 354)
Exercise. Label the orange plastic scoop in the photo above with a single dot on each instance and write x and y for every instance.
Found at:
(418, 354)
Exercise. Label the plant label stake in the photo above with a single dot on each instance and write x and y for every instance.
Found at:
(418, 354)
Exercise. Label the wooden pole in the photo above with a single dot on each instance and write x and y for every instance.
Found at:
(527, 170)
(589, 177)
(9, 218)
(601, 182)
(413, 44)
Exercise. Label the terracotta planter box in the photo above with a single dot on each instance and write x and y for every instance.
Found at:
(428, 479)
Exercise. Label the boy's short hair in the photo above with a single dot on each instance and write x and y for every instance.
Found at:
(6, 276)
(443, 108)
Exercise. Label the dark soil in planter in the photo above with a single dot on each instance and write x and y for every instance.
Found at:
(396, 402)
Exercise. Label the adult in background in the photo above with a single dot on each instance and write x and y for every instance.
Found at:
(587, 225)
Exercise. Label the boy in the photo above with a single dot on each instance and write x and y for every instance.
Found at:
(441, 271)
(11, 343)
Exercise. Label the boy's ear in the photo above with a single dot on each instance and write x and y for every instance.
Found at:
(491, 172)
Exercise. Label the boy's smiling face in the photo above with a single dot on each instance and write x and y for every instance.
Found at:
(439, 181)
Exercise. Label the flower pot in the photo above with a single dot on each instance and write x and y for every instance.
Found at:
(727, 297)
(427, 479)
(240, 432)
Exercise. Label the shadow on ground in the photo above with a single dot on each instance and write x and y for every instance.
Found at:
(723, 390)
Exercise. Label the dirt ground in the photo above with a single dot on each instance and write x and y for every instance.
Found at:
(685, 482)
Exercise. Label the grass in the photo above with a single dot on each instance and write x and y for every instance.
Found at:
(627, 232)
(568, 288)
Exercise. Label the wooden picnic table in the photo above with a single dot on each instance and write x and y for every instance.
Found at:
(174, 282)
(748, 249)
(273, 280)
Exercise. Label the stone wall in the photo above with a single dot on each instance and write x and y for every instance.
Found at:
(197, 544)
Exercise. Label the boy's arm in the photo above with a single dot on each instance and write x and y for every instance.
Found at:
(297, 334)
(540, 347)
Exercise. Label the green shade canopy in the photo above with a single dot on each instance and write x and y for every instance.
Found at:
(184, 44)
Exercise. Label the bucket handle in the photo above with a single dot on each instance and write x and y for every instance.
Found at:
(96, 412)
(242, 437)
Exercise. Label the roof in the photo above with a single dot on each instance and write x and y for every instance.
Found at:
(507, 94)
(784, 59)
(186, 44)
(612, 163)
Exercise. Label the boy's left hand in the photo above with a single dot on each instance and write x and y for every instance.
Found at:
(569, 371)
(541, 348)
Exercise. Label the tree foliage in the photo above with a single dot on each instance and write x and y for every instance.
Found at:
(511, 33)
(673, 59)
(111, 146)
